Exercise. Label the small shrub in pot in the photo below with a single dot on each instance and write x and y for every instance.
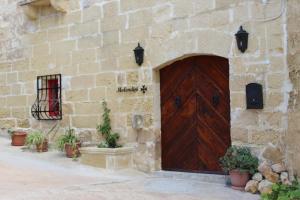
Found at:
(69, 143)
(239, 163)
(38, 140)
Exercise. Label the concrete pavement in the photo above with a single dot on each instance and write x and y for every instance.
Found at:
(26, 175)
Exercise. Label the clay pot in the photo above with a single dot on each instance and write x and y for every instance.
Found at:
(42, 147)
(18, 138)
(238, 179)
(72, 151)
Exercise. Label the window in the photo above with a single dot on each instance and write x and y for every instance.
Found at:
(48, 102)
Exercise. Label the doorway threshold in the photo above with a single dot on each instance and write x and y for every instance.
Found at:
(201, 177)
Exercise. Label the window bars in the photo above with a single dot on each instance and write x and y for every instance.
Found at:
(47, 105)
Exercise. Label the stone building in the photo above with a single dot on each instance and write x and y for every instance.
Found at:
(90, 43)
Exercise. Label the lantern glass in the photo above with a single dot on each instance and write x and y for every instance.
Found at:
(242, 39)
(139, 54)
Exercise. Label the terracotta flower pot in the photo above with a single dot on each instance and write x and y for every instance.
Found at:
(18, 138)
(42, 147)
(72, 151)
(238, 179)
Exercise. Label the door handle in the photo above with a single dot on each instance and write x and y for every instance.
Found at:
(215, 100)
(178, 101)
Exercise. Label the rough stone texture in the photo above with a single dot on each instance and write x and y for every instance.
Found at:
(293, 43)
(257, 177)
(273, 154)
(264, 167)
(265, 187)
(91, 46)
(278, 168)
(284, 178)
(252, 186)
(271, 176)
(106, 158)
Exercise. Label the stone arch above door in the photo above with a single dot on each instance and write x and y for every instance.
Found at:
(186, 44)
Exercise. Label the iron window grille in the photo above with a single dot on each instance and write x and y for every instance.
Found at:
(48, 105)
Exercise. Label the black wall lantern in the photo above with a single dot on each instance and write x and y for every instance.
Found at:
(139, 54)
(242, 39)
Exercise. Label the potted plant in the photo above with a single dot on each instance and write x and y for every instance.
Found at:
(17, 137)
(38, 140)
(240, 163)
(105, 129)
(108, 154)
(69, 143)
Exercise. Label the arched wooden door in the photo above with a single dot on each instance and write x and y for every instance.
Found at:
(195, 107)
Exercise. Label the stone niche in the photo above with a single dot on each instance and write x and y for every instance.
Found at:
(31, 6)
(107, 158)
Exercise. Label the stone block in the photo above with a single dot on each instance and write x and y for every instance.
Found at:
(111, 38)
(107, 158)
(136, 4)
(21, 65)
(113, 23)
(275, 81)
(84, 29)
(83, 56)
(71, 17)
(56, 34)
(77, 95)
(4, 112)
(106, 79)
(91, 13)
(140, 18)
(89, 68)
(110, 64)
(20, 113)
(15, 101)
(252, 186)
(23, 123)
(90, 121)
(88, 108)
(83, 82)
(97, 94)
(89, 42)
(111, 9)
(134, 34)
(239, 134)
(7, 123)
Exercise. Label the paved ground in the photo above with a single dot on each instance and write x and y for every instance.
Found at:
(33, 176)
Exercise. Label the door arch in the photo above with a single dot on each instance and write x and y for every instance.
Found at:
(195, 114)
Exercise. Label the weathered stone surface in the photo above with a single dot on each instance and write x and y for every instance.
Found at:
(264, 167)
(252, 186)
(273, 154)
(265, 187)
(284, 178)
(271, 176)
(278, 168)
(257, 177)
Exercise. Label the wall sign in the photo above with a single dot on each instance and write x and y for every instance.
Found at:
(143, 89)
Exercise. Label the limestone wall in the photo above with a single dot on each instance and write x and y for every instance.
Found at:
(91, 46)
(293, 134)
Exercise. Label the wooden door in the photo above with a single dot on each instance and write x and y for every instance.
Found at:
(195, 107)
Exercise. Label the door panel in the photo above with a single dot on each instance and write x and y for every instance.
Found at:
(195, 112)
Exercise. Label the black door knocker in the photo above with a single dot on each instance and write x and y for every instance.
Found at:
(216, 99)
(178, 101)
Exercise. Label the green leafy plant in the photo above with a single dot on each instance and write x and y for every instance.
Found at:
(68, 138)
(35, 138)
(10, 131)
(284, 192)
(111, 139)
(239, 158)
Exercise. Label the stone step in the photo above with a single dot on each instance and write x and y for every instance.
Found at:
(209, 178)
